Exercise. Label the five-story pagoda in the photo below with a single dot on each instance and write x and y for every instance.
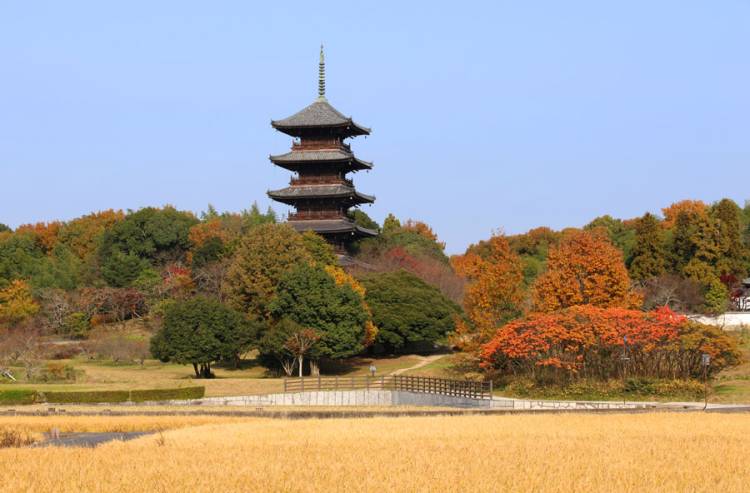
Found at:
(320, 191)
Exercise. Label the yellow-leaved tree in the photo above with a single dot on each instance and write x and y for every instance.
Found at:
(16, 303)
(494, 294)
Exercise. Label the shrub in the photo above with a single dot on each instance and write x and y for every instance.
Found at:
(76, 325)
(590, 342)
(585, 389)
(57, 372)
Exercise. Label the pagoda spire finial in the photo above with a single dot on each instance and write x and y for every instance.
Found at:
(322, 76)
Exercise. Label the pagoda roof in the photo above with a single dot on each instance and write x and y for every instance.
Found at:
(290, 195)
(307, 157)
(319, 115)
(332, 226)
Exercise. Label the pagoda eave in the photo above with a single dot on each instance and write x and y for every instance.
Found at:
(333, 227)
(296, 160)
(350, 129)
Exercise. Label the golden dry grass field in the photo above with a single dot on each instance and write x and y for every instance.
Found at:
(546, 453)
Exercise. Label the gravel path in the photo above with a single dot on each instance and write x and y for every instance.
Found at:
(424, 361)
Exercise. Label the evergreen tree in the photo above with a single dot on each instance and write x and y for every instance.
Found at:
(201, 331)
(621, 236)
(734, 255)
(264, 255)
(391, 224)
(362, 219)
(309, 296)
(407, 310)
(649, 256)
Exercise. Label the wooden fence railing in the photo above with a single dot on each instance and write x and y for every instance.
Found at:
(405, 383)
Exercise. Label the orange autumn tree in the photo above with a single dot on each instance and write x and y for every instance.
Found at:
(584, 269)
(691, 207)
(494, 293)
(46, 234)
(83, 235)
(423, 229)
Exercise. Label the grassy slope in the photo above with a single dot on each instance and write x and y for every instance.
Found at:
(733, 385)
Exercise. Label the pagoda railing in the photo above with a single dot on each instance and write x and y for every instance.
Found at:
(321, 180)
(323, 144)
(303, 215)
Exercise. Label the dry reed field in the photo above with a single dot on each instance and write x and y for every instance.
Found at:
(573, 452)
(68, 424)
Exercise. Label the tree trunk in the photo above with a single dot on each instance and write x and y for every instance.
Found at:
(314, 368)
(195, 369)
(300, 360)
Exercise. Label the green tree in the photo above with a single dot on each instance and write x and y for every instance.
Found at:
(20, 257)
(621, 236)
(363, 220)
(410, 240)
(121, 269)
(253, 217)
(4, 228)
(60, 269)
(264, 255)
(157, 235)
(407, 310)
(200, 332)
(728, 215)
(309, 296)
(320, 250)
(649, 255)
(391, 224)
(717, 297)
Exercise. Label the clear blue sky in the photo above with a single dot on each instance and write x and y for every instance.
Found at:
(486, 115)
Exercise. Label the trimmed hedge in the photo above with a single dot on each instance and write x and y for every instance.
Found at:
(106, 396)
(86, 397)
(167, 394)
(17, 396)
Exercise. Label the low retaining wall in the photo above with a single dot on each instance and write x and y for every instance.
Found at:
(728, 321)
(340, 398)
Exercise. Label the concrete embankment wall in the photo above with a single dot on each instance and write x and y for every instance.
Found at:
(340, 398)
(728, 321)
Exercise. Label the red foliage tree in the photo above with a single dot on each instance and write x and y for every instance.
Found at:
(588, 341)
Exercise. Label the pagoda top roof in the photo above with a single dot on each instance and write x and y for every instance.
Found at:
(332, 155)
(332, 226)
(329, 191)
(319, 115)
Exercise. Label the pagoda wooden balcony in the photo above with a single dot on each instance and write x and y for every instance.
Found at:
(307, 215)
(320, 144)
(321, 180)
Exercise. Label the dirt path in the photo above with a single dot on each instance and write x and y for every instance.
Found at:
(423, 361)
